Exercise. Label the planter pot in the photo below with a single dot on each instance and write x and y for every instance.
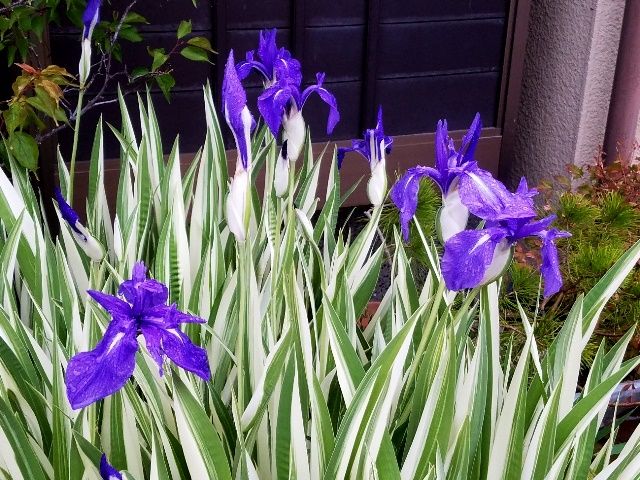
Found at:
(369, 311)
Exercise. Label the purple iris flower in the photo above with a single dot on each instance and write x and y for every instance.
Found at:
(236, 112)
(371, 146)
(477, 257)
(107, 472)
(91, 17)
(104, 370)
(464, 185)
(283, 101)
(273, 62)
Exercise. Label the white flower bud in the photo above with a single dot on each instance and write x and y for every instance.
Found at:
(94, 249)
(453, 216)
(281, 173)
(85, 61)
(377, 186)
(293, 132)
(236, 204)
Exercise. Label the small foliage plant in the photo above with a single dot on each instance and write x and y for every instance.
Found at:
(204, 329)
(600, 205)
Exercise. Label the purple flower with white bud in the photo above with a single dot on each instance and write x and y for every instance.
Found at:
(107, 472)
(465, 187)
(140, 309)
(83, 238)
(241, 122)
(373, 148)
(90, 18)
(477, 257)
(272, 61)
(281, 105)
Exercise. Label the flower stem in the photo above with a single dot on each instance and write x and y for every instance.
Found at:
(74, 149)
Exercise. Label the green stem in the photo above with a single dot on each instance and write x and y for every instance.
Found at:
(74, 149)
(244, 257)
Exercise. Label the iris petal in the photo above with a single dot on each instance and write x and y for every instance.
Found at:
(550, 267)
(94, 375)
(176, 345)
(327, 97)
(404, 194)
(467, 256)
(107, 472)
(111, 304)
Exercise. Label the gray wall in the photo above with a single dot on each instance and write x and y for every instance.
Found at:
(570, 61)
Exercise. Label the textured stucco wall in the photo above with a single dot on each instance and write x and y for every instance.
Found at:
(569, 66)
(599, 81)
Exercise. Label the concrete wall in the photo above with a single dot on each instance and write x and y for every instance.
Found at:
(569, 66)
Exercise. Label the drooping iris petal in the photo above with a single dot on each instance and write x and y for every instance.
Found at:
(272, 104)
(550, 267)
(404, 195)
(327, 97)
(94, 375)
(236, 112)
(467, 256)
(488, 198)
(176, 345)
(244, 68)
(107, 472)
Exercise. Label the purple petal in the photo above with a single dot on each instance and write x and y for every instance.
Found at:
(107, 472)
(91, 16)
(327, 97)
(404, 195)
(111, 304)
(467, 255)
(287, 68)
(359, 146)
(272, 103)
(69, 214)
(550, 267)
(244, 68)
(488, 198)
(143, 293)
(530, 228)
(268, 50)
(442, 148)
(235, 110)
(94, 375)
(470, 140)
(176, 345)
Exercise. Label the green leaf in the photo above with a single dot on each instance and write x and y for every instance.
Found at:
(133, 17)
(206, 457)
(201, 42)
(159, 58)
(15, 117)
(166, 82)
(24, 149)
(195, 53)
(184, 28)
